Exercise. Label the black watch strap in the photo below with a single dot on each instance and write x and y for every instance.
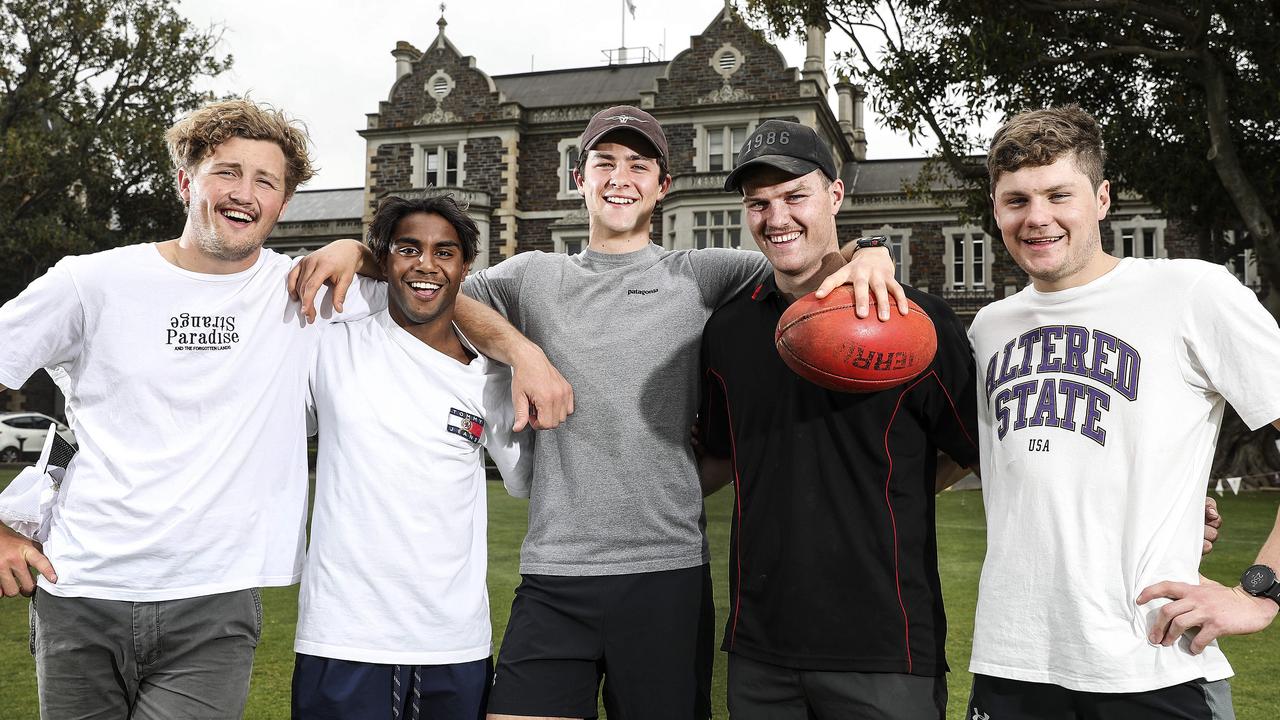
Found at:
(870, 242)
(1260, 581)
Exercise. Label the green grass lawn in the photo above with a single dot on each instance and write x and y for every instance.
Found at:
(961, 539)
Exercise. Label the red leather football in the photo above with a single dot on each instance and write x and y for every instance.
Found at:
(826, 343)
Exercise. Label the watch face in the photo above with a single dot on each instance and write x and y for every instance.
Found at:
(1257, 579)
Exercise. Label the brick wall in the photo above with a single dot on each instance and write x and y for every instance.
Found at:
(392, 170)
(762, 76)
(538, 176)
(680, 145)
(534, 235)
(485, 163)
(469, 101)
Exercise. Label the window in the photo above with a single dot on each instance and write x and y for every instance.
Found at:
(1138, 237)
(569, 244)
(717, 228)
(441, 165)
(569, 155)
(967, 258)
(1242, 263)
(722, 145)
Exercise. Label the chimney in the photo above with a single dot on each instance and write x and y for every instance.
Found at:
(815, 55)
(849, 114)
(404, 55)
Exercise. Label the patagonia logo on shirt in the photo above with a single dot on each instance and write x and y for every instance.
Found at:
(465, 424)
(642, 292)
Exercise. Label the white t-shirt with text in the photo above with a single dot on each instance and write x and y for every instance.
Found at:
(1099, 409)
(187, 393)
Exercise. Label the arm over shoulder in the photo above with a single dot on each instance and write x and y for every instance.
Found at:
(722, 273)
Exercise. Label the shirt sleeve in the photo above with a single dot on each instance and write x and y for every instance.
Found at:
(723, 273)
(1231, 346)
(499, 286)
(512, 452)
(954, 426)
(43, 327)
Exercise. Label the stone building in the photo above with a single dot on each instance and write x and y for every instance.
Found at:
(506, 143)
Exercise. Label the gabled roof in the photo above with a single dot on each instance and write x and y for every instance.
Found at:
(313, 205)
(888, 176)
(607, 84)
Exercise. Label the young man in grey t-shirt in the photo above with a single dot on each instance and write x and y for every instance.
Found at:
(615, 583)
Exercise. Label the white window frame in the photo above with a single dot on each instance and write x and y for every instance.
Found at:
(561, 239)
(726, 226)
(949, 235)
(702, 140)
(1248, 275)
(565, 173)
(421, 150)
(1136, 225)
(899, 240)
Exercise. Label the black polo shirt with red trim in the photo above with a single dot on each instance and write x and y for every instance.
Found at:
(833, 563)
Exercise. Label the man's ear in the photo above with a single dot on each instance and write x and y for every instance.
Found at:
(184, 185)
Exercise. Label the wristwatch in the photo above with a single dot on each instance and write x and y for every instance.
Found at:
(870, 242)
(1260, 581)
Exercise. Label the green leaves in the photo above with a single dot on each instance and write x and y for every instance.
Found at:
(87, 89)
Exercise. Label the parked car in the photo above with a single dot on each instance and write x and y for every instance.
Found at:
(22, 435)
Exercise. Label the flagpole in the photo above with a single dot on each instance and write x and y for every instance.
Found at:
(624, 25)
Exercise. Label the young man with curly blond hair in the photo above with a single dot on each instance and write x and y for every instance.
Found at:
(184, 364)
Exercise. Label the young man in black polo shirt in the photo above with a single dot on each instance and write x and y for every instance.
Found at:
(836, 606)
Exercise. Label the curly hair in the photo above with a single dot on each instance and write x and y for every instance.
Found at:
(393, 209)
(193, 138)
(1040, 137)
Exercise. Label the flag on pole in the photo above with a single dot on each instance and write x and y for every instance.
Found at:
(631, 6)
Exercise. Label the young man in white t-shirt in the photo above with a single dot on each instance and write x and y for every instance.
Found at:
(1100, 394)
(404, 405)
(184, 365)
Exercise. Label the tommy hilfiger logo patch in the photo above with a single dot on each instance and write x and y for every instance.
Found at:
(465, 424)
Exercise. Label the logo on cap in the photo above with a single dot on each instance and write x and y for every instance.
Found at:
(624, 119)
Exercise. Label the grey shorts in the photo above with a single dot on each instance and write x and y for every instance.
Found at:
(762, 691)
(188, 658)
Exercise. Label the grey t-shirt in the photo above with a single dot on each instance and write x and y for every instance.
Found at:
(615, 487)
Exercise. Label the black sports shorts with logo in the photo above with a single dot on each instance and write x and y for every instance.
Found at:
(996, 698)
(649, 636)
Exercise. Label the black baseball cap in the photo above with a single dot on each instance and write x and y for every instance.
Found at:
(623, 117)
(790, 147)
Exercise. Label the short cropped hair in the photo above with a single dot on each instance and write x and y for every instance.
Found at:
(393, 209)
(194, 137)
(1041, 137)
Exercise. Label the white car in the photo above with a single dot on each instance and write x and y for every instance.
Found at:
(22, 435)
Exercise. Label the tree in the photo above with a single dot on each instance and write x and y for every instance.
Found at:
(1185, 90)
(87, 89)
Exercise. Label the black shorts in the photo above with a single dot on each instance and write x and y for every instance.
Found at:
(763, 691)
(649, 636)
(999, 698)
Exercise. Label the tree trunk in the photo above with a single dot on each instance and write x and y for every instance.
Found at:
(1252, 456)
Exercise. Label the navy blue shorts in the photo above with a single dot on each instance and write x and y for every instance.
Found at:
(328, 689)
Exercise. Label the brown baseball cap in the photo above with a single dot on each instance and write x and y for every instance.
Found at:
(623, 117)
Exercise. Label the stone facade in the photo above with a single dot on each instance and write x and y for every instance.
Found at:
(507, 142)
